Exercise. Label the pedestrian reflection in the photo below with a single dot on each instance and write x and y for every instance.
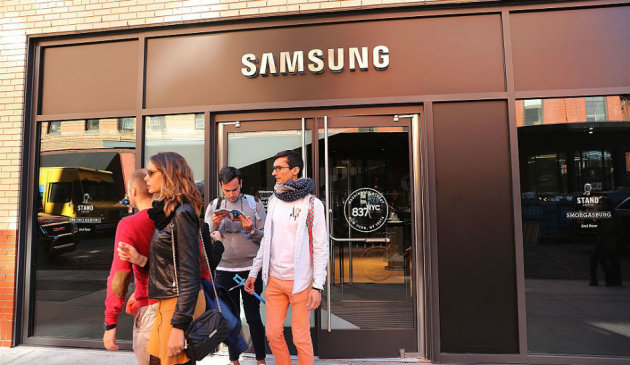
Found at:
(608, 245)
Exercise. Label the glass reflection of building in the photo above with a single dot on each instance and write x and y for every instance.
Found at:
(183, 133)
(565, 144)
(83, 173)
(574, 170)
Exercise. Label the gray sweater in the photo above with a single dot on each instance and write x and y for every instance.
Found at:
(240, 246)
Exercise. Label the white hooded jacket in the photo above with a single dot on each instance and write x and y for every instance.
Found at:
(304, 273)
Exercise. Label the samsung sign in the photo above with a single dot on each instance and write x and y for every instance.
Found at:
(316, 61)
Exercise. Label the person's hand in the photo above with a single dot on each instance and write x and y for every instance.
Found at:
(247, 222)
(127, 252)
(249, 285)
(215, 236)
(175, 342)
(314, 299)
(132, 305)
(109, 340)
(217, 218)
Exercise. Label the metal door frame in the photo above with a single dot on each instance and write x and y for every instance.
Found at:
(418, 200)
(274, 121)
(272, 124)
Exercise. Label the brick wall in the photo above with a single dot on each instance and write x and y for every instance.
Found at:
(7, 285)
(21, 18)
(572, 110)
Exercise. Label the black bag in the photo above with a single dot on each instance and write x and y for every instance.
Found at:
(205, 333)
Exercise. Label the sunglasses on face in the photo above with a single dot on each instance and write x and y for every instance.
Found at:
(151, 172)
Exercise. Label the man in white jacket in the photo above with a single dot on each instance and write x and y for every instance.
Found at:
(293, 265)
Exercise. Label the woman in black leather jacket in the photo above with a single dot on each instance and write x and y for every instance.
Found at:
(176, 208)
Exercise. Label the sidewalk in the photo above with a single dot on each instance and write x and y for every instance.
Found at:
(35, 355)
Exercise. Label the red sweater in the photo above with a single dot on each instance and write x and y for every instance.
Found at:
(137, 231)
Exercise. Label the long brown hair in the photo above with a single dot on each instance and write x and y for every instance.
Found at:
(178, 185)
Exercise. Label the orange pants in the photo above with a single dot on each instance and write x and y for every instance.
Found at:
(278, 296)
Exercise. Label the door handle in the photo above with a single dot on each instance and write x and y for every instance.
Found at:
(304, 159)
(327, 191)
(366, 240)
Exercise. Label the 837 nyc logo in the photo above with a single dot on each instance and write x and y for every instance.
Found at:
(366, 210)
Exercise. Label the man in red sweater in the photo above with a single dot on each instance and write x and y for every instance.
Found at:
(135, 230)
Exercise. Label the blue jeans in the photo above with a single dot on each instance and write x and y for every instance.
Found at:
(252, 309)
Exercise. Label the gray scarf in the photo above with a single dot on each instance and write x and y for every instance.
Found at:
(291, 191)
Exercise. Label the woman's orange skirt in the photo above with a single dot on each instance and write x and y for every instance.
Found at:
(162, 329)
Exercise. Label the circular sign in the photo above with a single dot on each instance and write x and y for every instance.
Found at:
(366, 210)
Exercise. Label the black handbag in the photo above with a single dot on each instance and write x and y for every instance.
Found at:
(205, 333)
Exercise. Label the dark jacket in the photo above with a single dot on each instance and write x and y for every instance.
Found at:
(162, 283)
(214, 250)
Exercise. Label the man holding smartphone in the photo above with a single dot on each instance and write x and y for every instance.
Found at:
(242, 234)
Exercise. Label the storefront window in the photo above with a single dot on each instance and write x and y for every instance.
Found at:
(533, 111)
(547, 172)
(83, 170)
(126, 124)
(92, 125)
(181, 133)
(200, 121)
(595, 109)
(54, 127)
(156, 123)
(575, 194)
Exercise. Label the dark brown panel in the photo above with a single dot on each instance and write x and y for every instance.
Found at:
(90, 78)
(476, 263)
(571, 49)
(367, 343)
(427, 56)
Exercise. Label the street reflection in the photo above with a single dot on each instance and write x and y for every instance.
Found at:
(84, 166)
(182, 133)
(575, 188)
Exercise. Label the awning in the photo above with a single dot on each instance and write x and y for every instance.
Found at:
(92, 160)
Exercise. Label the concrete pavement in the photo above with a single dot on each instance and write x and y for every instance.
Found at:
(36, 355)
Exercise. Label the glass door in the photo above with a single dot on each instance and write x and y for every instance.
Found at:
(249, 145)
(364, 174)
(362, 169)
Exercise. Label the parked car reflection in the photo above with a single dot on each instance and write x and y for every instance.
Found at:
(88, 196)
(56, 235)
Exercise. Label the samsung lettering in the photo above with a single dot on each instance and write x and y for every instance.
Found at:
(316, 61)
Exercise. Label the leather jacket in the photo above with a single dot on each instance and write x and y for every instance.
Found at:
(162, 279)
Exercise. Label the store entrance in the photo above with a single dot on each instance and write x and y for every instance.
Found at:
(361, 164)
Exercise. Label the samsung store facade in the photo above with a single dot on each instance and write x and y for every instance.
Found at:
(474, 159)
